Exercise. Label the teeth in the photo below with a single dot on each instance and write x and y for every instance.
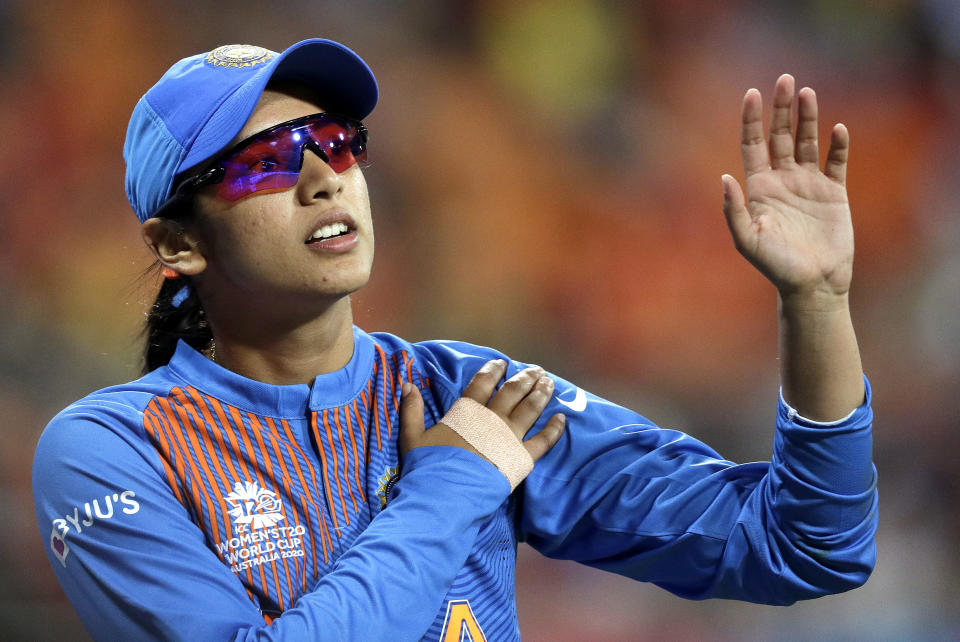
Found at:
(328, 231)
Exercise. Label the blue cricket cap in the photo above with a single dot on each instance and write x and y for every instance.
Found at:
(203, 101)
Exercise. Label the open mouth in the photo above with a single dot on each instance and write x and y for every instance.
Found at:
(329, 231)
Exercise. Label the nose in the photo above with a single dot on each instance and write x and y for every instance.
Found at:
(318, 181)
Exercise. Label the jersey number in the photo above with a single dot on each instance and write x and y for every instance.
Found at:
(461, 625)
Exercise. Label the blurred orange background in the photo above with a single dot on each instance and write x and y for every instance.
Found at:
(545, 180)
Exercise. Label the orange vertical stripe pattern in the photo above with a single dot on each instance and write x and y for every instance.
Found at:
(323, 467)
(257, 429)
(250, 456)
(273, 436)
(346, 460)
(210, 449)
(292, 443)
(387, 389)
(336, 476)
(153, 427)
(233, 451)
(356, 459)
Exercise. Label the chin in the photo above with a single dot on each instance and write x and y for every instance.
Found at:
(341, 287)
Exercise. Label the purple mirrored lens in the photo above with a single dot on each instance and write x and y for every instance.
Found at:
(271, 160)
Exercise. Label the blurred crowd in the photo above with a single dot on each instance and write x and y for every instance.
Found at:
(545, 179)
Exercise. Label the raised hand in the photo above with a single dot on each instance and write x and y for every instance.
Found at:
(794, 225)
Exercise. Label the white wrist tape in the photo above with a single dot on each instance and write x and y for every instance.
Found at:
(483, 429)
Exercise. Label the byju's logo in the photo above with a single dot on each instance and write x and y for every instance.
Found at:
(255, 506)
(85, 516)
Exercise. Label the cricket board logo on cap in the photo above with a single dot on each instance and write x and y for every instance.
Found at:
(239, 56)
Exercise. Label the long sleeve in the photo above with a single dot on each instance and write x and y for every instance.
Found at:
(622, 494)
(136, 566)
(657, 505)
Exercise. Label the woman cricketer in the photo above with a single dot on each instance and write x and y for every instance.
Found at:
(270, 476)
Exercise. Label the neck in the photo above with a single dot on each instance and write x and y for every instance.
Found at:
(281, 353)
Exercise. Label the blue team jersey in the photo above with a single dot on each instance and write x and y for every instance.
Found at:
(194, 503)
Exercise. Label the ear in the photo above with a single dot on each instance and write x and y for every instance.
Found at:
(173, 246)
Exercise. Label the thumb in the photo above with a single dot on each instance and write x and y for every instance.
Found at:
(411, 419)
(735, 211)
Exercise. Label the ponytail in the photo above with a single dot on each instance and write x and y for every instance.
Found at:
(167, 323)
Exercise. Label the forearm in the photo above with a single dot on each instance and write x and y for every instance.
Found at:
(820, 369)
(391, 582)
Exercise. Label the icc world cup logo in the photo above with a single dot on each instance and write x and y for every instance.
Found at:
(258, 507)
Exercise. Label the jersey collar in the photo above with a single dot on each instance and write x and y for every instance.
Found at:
(328, 390)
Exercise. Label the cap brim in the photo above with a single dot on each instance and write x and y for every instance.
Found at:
(337, 74)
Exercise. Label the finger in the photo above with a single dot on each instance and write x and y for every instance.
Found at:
(514, 390)
(836, 167)
(753, 146)
(485, 381)
(807, 152)
(411, 419)
(735, 211)
(541, 443)
(781, 122)
(531, 407)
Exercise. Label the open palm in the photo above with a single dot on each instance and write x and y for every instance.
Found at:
(794, 224)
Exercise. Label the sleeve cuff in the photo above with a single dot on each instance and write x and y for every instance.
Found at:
(794, 416)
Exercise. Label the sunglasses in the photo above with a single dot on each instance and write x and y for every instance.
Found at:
(270, 160)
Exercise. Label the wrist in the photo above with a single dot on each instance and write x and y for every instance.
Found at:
(812, 301)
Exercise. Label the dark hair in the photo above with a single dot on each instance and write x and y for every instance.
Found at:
(167, 323)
